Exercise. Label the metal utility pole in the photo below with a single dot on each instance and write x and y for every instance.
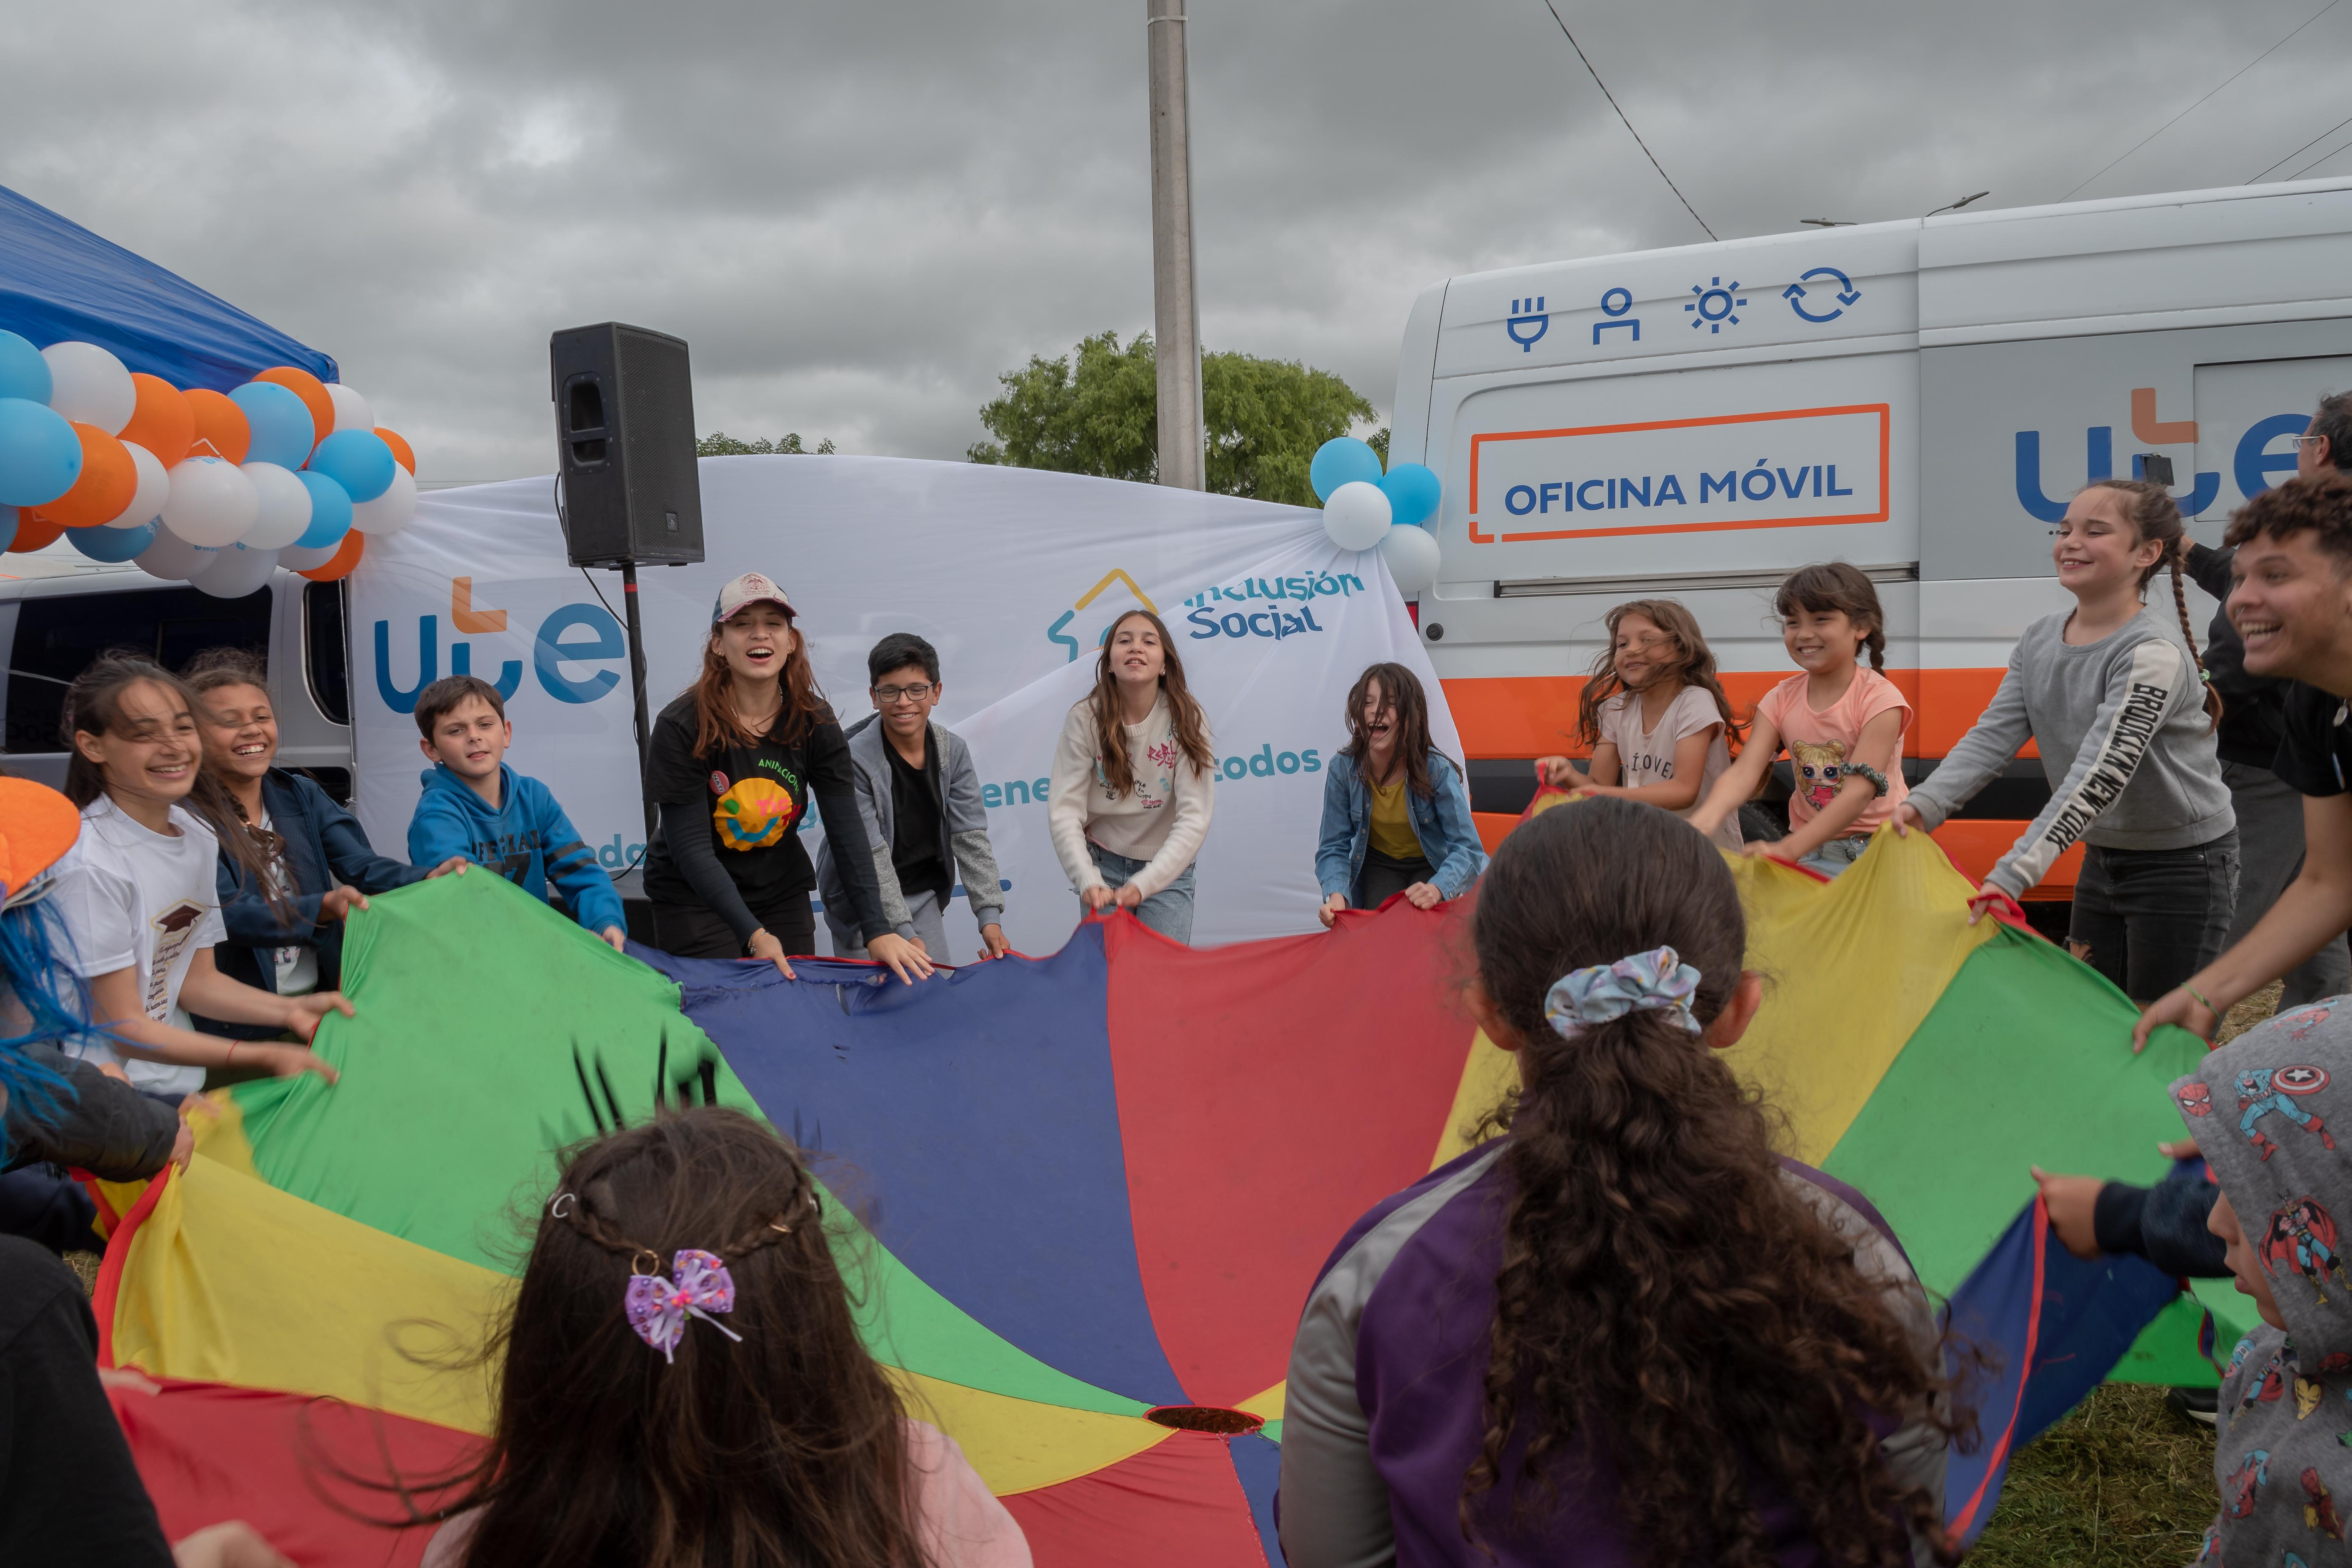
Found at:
(1175, 318)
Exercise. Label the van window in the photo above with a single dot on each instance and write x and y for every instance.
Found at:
(326, 652)
(57, 638)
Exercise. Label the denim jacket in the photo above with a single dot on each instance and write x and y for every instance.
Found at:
(1448, 838)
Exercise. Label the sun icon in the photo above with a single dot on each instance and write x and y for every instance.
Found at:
(1713, 306)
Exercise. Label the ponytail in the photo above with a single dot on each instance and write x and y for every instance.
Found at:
(2152, 513)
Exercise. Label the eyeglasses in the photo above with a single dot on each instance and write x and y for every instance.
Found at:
(2300, 440)
(889, 695)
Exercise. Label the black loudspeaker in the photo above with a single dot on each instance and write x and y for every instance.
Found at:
(624, 430)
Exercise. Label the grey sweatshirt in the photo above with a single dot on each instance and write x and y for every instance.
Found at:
(2124, 744)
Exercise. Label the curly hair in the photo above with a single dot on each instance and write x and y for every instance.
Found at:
(2320, 503)
(2151, 511)
(1697, 668)
(1666, 1292)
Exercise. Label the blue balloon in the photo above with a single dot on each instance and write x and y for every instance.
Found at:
(1340, 461)
(40, 456)
(282, 431)
(358, 460)
(331, 511)
(112, 544)
(22, 372)
(1413, 491)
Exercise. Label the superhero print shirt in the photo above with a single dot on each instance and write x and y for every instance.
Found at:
(756, 799)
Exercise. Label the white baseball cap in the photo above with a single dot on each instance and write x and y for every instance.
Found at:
(751, 588)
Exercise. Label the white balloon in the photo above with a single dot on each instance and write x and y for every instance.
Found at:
(389, 512)
(283, 513)
(236, 571)
(351, 411)
(173, 558)
(1357, 515)
(154, 486)
(1412, 555)
(87, 384)
(212, 503)
(295, 560)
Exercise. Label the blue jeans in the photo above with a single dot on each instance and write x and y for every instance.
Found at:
(1835, 856)
(1168, 911)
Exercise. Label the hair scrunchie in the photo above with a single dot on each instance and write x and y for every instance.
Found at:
(1654, 982)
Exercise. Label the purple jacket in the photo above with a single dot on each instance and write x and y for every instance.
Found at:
(1382, 1416)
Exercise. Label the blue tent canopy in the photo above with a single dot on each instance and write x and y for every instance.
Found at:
(58, 282)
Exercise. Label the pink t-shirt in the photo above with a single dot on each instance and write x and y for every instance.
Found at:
(1648, 758)
(1819, 742)
(962, 1525)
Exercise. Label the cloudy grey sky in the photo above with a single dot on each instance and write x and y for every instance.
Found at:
(859, 214)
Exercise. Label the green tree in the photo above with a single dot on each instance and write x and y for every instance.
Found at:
(1100, 415)
(718, 444)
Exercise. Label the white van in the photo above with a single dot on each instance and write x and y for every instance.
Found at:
(1920, 398)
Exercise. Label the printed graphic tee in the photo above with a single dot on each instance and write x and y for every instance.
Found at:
(1821, 740)
(757, 796)
(132, 899)
(1648, 757)
(297, 964)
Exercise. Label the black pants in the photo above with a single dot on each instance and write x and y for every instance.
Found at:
(1383, 877)
(694, 931)
(2150, 918)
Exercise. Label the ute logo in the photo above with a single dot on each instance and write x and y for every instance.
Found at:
(2252, 462)
(570, 635)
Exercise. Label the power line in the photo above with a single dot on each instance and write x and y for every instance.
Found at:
(2305, 148)
(2184, 113)
(2316, 162)
(1636, 135)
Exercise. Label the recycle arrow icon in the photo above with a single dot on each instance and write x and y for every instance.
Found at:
(1847, 293)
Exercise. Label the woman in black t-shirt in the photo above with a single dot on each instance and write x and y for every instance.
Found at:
(731, 764)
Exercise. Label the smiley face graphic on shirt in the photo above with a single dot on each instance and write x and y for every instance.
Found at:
(756, 811)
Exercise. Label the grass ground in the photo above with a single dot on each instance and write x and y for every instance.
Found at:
(2122, 1482)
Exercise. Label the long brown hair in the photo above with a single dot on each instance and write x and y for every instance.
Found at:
(1110, 730)
(783, 1449)
(1664, 1294)
(94, 707)
(715, 723)
(2152, 513)
(1697, 668)
(1402, 690)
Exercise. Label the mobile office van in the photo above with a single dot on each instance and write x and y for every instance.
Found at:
(1920, 398)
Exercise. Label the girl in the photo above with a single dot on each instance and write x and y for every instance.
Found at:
(1841, 725)
(1396, 814)
(1655, 715)
(286, 936)
(2124, 722)
(748, 1428)
(1625, 1331)
(140, 895)
(1134, 780)
(731, 764)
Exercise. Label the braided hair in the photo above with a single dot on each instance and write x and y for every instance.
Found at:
(2151, 513)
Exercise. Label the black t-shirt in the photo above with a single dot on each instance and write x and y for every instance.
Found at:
(2315, 757)
(915, 823)
(757, 796)
(69, 1491)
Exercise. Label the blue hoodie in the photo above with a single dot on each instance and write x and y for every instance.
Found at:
(527, 840)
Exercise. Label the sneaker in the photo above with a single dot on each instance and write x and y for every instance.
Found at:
(2199, 1404)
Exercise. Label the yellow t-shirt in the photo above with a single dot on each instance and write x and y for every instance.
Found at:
(1392, 832)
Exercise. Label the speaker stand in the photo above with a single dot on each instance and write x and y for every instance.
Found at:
(638, 687)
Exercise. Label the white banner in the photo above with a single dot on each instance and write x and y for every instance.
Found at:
(1013, 575)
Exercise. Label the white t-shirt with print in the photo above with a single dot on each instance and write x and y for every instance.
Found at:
(146, 901)
(297, 964)
(1649, 758)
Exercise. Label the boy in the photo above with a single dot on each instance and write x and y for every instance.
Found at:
(2266, 1110)
(920, 797)
(474, 806)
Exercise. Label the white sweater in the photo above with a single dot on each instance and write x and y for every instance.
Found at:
(1163, 820)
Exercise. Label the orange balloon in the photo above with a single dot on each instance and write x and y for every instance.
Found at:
(338, 567)
(402, 453)
(313, 394)
(34, 532)
(162, 422)
(221, 430)
(109, 481)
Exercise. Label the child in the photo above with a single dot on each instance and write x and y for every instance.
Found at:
(1134, 782)
(2117, 704)
(320, 863)
(1396, 813)
(139, 896)
(918, 797)
(1559, 1299)
(2282, 1462)
(1841, 725)
(476, 807)
(1656, 717)
(747, 1423)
